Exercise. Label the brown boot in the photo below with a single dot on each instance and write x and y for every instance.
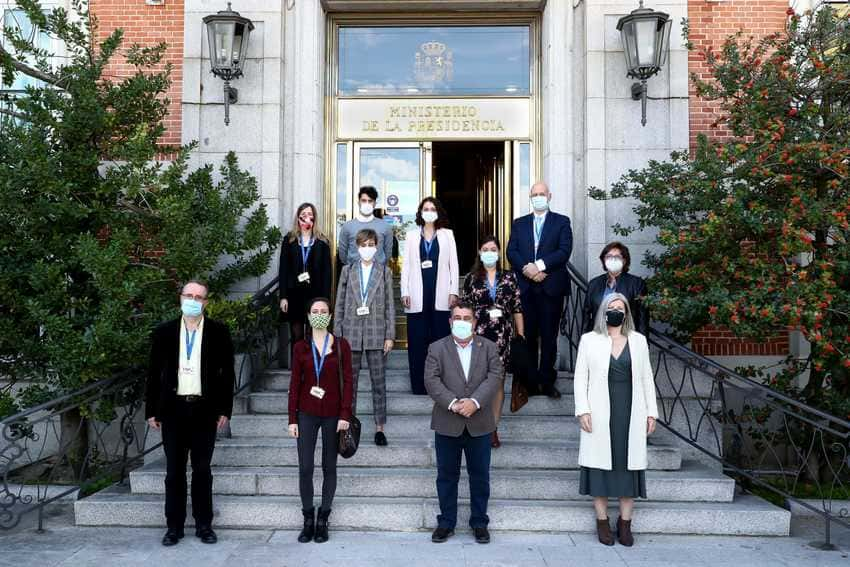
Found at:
(624, 532)
(603, 531)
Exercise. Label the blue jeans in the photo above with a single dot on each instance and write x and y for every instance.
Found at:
(449, 451)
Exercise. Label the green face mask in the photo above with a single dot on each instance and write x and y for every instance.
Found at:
(319, 320)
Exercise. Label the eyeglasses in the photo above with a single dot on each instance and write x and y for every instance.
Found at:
(195, 297)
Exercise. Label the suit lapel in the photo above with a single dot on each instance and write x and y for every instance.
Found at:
(354, 274)
(373, 283)
(530, 245)
(476, 358)
(455, 357)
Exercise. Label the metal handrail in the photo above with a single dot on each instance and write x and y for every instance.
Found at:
(95, 452)
(756, 433)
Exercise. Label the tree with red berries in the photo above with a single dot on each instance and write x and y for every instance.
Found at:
(752, 227)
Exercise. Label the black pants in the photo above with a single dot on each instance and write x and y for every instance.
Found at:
(541, 314)
(449, 451)
(191, 431)
(308, 434)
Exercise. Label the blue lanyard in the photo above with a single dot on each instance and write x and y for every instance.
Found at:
(364, 286)
(492, 288)
(190, 343)
(305, 251)
(317, 363)
(428, 244)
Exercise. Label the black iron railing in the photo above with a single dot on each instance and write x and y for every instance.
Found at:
(93, 437)
(770, 443)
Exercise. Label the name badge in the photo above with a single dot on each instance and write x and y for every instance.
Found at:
(427, 264)
(495, 313)
(304, 277)
(317, 392)
(364, 310)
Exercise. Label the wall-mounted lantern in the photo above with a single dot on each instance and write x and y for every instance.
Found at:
(645, 34)
(228, 34)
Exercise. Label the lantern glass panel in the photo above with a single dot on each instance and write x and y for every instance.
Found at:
(224, 33)
(664, 38)
(645, 38)
(629, 45)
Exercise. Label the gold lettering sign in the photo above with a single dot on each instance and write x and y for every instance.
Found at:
(458, 118)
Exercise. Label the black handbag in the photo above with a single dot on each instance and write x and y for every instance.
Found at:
(348, 440)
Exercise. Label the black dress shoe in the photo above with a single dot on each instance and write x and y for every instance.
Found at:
(551, 391)
(533, 390)
(440, 535)
(172, 537)
(380, 439)
(206, 534)
(481, 535)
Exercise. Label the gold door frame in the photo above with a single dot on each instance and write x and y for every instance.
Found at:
(509, 175)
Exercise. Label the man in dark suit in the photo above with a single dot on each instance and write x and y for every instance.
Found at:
(538, 250)
(462, 374)
(189, 394)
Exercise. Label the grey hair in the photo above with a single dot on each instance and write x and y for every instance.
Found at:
(601, 327)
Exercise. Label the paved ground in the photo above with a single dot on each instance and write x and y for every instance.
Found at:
(65, 544)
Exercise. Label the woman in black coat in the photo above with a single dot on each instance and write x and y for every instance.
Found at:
(305, 272)
(616, 261)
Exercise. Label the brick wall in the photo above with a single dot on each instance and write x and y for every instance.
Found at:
(711, 22)
(148, 25)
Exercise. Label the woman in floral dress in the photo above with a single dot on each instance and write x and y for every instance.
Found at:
(495, 295)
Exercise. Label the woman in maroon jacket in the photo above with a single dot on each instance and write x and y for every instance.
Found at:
(316, 403)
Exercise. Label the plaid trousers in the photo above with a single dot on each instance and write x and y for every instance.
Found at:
(377, 372)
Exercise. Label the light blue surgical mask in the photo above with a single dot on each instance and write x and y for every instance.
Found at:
(461, 329)
(191, 307)
(540, 202)
(489, 258)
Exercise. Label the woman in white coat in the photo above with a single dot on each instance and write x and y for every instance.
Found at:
(429, 285)
(616, 407)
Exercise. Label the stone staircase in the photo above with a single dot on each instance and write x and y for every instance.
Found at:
(534, 476)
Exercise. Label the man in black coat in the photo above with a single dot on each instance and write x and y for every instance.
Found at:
(189, 395)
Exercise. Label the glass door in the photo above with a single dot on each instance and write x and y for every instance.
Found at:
(401, 172)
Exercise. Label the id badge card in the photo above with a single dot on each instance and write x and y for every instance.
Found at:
(304, 277)
(495, 313)
(317, 392)
(427, 264)
(363, 310)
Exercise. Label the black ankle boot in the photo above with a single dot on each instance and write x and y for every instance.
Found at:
(309, 526)
(322, 526)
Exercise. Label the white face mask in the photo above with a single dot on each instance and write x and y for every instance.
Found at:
(540, 203)
(366, 209)
(429, 216)
(367, 252)
(614, 265)
(461, 329)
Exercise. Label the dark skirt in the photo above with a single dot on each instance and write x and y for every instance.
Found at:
(619, 481)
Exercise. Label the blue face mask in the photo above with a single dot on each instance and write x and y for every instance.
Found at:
(539, 202)
(489, 258)
(191, 307)
(461, 329)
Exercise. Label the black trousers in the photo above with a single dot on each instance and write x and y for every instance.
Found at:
(308, 434)
(449, 451)
(541, 314)
(190, 432)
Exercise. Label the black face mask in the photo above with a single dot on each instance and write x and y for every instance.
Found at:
(614, 318)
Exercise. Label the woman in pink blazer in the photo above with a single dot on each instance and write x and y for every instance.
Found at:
(429, 285)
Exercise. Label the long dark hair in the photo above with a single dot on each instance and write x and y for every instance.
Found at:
(478, 269)
(442, 216)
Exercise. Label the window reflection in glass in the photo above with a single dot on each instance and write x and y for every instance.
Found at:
(462, 60)
(525, 167)
(17, 20)
(343, 202)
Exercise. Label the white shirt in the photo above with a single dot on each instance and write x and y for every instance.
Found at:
(465, 355)
(367, 273)
(541, 218)
(189, 368)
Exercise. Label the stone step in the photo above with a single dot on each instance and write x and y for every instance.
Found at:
(516, 426)
(693, 483)
(397, 381)
(747, 515)
(408, 404)
(411, 453)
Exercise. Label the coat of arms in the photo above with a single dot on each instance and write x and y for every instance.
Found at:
(433, 64)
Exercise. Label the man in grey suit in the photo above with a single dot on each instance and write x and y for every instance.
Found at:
(462, 374)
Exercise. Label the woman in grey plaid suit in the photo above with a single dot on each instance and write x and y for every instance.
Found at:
(365, 316)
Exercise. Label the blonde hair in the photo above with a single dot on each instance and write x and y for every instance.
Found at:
(601, 327)
(295, 233)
